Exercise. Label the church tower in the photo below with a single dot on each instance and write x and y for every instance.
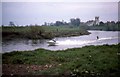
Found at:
(96, 20)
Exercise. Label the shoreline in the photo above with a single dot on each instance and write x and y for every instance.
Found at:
(54, 50)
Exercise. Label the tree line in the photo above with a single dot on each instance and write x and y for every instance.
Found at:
(108, 26)
(73, 22)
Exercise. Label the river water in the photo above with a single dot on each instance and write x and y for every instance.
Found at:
(105, 37)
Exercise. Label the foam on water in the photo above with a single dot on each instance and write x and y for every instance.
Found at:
(74, 42)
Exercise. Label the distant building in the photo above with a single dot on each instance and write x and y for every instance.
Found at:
(93, 22)
(96, 20)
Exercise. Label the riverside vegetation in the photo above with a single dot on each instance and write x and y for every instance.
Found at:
(88, 61)
(59, 29)
(41, 32)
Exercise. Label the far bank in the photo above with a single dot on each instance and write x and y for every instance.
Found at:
(41, 32)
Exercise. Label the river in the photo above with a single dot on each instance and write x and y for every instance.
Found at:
(105, 37)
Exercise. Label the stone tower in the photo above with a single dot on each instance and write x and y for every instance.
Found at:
(96, 20)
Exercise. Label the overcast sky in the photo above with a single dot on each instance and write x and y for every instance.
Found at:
(25, 13)
(59, 0)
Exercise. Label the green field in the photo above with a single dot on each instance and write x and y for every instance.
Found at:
(41, 32)
(88, 61)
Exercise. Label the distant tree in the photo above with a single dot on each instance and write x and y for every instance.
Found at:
(65, 23)
(11, 23)
(36, 25)
(101, 23)
(51, 24)
(45, 23)
(113, 22)
(118, 22)
(72, 21)
(58, 23)
(75, 22)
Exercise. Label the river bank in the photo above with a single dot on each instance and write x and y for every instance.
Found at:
(41, 32)
(86, 61)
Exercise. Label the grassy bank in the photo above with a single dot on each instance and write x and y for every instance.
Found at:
(41, 32)
(89, 61)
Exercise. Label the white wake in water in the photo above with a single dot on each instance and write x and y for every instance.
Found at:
(73, 42)
(82, 42)
(108, 38)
